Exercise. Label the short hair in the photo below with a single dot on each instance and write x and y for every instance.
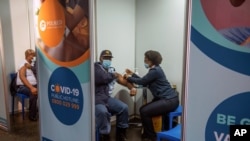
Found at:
(29, 52)
(154, 57)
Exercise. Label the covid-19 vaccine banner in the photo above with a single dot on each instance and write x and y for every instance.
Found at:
(218, 74)
(62, 45)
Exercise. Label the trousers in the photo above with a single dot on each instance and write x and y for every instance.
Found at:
(103, 114)
(32, 100)
(156, 108)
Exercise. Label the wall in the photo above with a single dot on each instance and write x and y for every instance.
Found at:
(116, 32)
(23, 31)
(16, 34)
(160, 25)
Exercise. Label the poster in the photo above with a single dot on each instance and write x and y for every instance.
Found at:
(63, 56)
(217, 78)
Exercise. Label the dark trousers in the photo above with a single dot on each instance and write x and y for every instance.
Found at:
(103, 114)
(156, 108)
(32, 100)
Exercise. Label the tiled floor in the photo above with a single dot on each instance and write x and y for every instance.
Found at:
(26, 130)
(21, 130)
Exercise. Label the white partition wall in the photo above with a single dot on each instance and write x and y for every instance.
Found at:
(116, 32)
(160, 26)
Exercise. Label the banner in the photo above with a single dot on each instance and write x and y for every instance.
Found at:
(63, 56)
(217, 79)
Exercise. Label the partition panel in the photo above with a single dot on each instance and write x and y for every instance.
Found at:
(217, 80)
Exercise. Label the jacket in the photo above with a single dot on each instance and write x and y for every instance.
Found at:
(102, 80)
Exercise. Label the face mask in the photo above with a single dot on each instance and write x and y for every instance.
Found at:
(106, 64)
(146, 65)
(33, 61)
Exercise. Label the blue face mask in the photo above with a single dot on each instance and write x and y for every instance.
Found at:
(146, 65)
(106, 63)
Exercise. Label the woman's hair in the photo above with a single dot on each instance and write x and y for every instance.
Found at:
(154, 57)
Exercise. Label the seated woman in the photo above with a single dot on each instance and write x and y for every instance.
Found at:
(165, 98)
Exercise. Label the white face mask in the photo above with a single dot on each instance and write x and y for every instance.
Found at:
(33, 61)
(146, 65)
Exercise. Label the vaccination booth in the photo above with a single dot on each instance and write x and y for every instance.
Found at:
(204, 45)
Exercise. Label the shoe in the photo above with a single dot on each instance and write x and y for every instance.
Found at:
(147, 138)
(121, 134)
(104, 137)
(32, 118)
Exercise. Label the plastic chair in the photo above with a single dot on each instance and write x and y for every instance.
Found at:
(21, 96)
(173, 134)
(97, 134)
(177, 112)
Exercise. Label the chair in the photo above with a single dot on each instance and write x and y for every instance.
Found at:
(173, 134)
(97, 136)
(21, 96)
(177, 112)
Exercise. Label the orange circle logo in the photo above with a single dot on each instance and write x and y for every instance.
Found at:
(51, 23)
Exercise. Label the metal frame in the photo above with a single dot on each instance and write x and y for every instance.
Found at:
(5, 86)
(92, 11)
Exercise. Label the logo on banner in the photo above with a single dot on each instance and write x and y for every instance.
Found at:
(64, 43)
(51, 26)
(232, 111)
(42, 25)
(65, 96)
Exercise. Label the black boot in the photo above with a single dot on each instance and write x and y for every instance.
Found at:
(121, 134)
(104, 137)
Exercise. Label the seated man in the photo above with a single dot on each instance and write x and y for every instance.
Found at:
(27, 83)
(105, 105)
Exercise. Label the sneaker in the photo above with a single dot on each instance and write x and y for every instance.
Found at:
(104, 137)
(121, 134)
(32, 118)
(145, 137)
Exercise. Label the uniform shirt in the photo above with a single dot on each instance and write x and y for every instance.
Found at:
(157, 83)
(111, 84)
(103, 84)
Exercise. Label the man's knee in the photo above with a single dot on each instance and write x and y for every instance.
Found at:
(124, 107)
(102, 112)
